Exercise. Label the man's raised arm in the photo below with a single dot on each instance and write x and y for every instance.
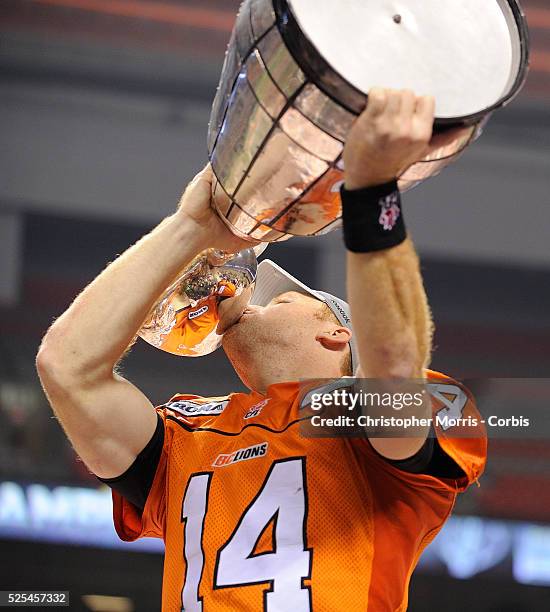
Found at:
(108, 420)
(390, 311)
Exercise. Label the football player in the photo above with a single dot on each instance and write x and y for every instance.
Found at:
(255, 515)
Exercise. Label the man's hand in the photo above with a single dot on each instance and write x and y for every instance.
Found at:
(393, 132)
(109, 420)
(195, 208)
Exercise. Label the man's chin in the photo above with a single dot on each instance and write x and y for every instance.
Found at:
(238, 335)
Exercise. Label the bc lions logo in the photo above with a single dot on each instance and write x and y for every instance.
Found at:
(390, 211)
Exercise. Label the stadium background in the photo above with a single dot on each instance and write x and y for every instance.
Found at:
(104, 107)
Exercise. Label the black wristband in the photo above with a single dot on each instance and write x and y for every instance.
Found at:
(372, 218)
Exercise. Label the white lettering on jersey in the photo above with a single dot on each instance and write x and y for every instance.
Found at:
(190, 408)
(198, 313)
(282, 501)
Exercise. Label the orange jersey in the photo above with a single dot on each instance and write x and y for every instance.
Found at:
(256, 516)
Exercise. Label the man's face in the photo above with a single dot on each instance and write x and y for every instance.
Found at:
(288, 320)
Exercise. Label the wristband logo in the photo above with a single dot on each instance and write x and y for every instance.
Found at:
(390, 211)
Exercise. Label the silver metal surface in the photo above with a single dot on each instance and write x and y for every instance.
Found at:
(249, 125)
(324, 112)
(281, 173)
(262, 17)
(185, 320)
(439, 159)
(276, 140)
(267, 93)
(279, 62)
(244, 36)
(317, 209)
(309, 136)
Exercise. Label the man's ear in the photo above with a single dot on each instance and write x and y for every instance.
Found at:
(335, 340)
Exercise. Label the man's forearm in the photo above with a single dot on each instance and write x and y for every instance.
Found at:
(92, 335)
(390, 312)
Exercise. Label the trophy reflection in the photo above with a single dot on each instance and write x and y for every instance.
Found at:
(193, 313)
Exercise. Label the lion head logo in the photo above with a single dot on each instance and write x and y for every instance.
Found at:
(390, 211)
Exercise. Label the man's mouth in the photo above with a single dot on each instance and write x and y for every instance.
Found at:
(247, 312)
(235, 322)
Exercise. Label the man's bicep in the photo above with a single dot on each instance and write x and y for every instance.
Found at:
(108, 423)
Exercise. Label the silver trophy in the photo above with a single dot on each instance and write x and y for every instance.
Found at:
(297, 74)
(187, 318)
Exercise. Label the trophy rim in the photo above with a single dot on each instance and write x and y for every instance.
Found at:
(341, 91)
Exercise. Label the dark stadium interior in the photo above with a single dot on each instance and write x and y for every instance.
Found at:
(103, 116)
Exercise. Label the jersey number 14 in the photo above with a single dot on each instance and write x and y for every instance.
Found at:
(282, 500)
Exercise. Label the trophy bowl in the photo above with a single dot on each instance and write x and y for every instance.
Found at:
(297, 74)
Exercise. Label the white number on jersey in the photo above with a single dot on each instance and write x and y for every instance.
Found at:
(282, 501)
(193, 513)
(453, 408)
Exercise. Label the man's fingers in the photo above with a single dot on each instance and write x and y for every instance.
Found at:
(376, 103)
(201, 181)
(423, 118)
(425, 107)
(393, 105)
(205, 176)
(207, 170)
(408, 103)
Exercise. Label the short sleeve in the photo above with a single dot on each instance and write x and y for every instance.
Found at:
(130, 522)
(460, 439)
(459, 427)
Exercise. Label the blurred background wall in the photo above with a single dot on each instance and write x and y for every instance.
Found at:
(104, 106)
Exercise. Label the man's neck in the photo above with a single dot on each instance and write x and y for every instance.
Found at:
(259, 379)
